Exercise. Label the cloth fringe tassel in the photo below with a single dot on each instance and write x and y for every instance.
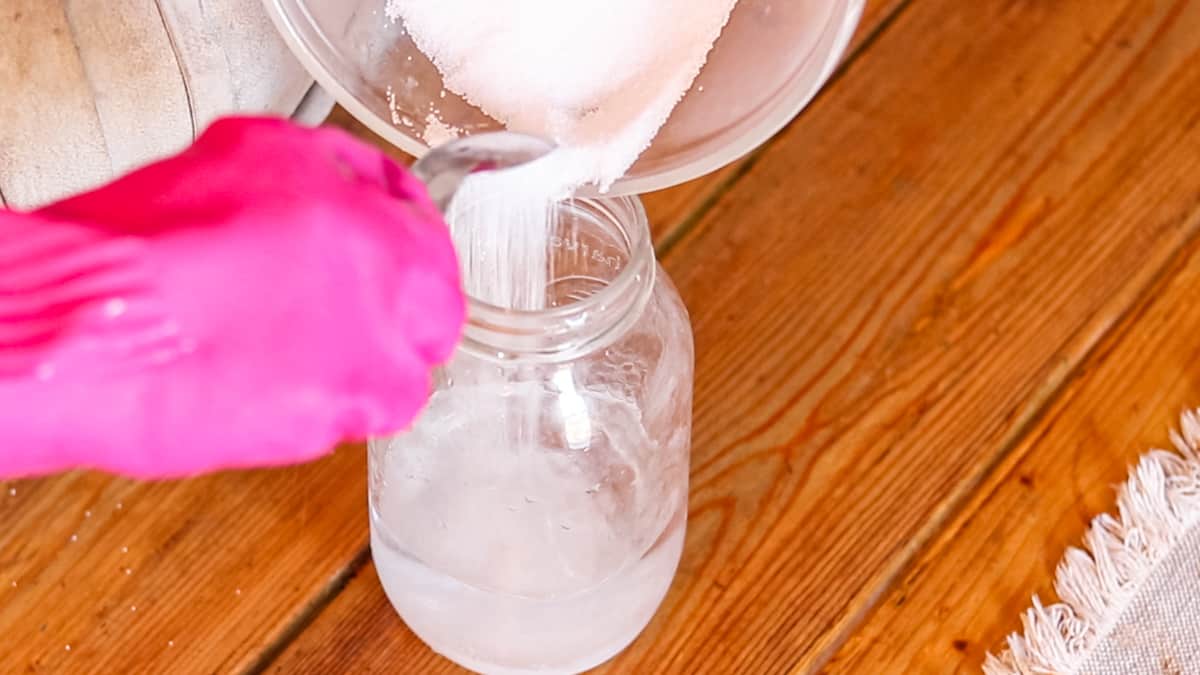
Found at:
(1157, 506)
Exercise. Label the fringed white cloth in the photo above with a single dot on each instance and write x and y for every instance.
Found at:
(1130, 600)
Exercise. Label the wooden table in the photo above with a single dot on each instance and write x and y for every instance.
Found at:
(936, 319)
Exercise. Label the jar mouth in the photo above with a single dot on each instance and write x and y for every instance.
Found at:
(629, 217)
(600, 302)
(599, 262)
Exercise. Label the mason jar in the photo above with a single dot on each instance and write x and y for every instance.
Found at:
(532, 519)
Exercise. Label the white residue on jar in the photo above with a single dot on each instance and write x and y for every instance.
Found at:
(577, 421)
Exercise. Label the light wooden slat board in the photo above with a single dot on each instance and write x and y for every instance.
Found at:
(264, 75)
(32, 172)
(94, 88)
(967, 591)
(936, 246)
(284, 539)
(208, 83)
(123, 45)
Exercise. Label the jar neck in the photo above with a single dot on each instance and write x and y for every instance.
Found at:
(601, 260)
(588, 319)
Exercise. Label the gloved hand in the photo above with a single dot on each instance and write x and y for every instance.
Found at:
(251, 302)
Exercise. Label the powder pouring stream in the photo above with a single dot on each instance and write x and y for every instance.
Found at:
(598, 78)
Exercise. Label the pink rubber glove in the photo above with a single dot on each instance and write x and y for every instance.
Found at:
(254, 301)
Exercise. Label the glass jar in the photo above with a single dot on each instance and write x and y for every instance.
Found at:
(533, 518)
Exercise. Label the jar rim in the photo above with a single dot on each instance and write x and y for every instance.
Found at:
(637, 239)
(505, 332)
(558, 332)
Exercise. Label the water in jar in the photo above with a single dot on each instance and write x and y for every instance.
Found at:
(533, 536)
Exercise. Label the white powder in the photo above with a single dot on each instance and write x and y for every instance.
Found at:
(501, 224)
(598, 77)
(438, 132)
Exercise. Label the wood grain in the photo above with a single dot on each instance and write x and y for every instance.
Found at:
(963, 256)
(360, 633)
(966, 591)
(883, 307)
(675, 210)
(188, 577)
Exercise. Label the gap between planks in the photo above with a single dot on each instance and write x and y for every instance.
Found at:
(672, 236)
(1110, 325)
(1010, 460)
(309, 613)
(675, 233)
(1106, 328)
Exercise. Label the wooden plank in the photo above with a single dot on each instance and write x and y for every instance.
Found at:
(876, 16)
(189, 577)
(966, 592)
(360, 633)
(674, 210)
(909, 286)
(263, 73)
(154, 121)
